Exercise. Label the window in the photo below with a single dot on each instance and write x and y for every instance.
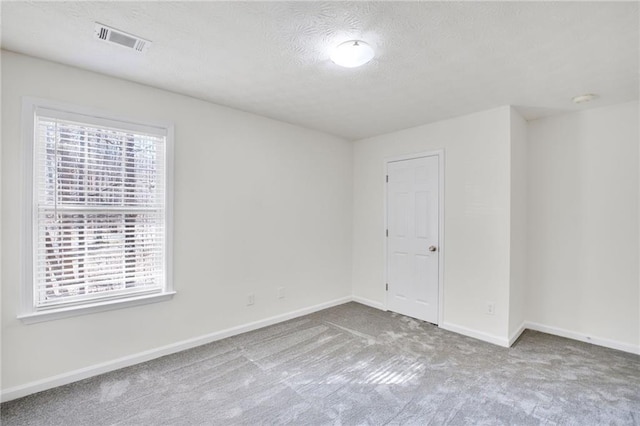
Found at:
(98, 195)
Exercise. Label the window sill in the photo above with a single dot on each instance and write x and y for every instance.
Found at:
(73, 311)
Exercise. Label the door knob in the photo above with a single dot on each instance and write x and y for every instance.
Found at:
(432, 248)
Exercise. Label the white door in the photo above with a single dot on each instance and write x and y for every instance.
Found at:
(413, 240)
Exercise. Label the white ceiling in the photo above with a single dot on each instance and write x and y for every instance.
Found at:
(435, 60)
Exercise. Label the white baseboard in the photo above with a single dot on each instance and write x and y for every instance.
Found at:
(496, 340)
(519, 331)
(486, 337)
(608, 343)
(369, 302)
(449, 326)
(105, 367)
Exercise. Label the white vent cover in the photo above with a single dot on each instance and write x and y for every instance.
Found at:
(111, 35)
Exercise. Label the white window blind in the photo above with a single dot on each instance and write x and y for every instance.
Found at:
(99, 216)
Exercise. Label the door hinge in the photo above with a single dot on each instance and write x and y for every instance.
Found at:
(387, 287)
(387, 178)
(387, 232)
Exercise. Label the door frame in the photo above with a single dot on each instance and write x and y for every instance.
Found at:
(440, 155)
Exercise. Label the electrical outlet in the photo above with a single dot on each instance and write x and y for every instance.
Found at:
(251, 299)
(491, 308)
(280, 292)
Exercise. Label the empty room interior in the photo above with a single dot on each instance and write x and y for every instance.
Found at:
(320, 213)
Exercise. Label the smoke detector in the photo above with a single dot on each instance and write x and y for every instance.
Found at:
(112, 35)
(583, 98)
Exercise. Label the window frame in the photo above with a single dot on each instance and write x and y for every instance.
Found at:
(28, 312)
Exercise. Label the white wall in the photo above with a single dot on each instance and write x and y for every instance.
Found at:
(261, 204)
(476, 218)
(583, 224)
(519, 188)
(258, 204)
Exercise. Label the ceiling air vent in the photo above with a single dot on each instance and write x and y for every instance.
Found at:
(111, 35)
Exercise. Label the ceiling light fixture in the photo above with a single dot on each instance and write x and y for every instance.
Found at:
(352, 53)
(583, 98)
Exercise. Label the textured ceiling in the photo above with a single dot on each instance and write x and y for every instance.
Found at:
(435, 60)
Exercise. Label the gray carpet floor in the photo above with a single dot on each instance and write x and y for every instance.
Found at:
(354, 365)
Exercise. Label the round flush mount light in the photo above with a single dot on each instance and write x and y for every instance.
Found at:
(352, 53)
(583, 98)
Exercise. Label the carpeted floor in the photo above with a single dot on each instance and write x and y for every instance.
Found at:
(354, 365)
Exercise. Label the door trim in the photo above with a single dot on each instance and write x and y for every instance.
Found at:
(440, 154)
